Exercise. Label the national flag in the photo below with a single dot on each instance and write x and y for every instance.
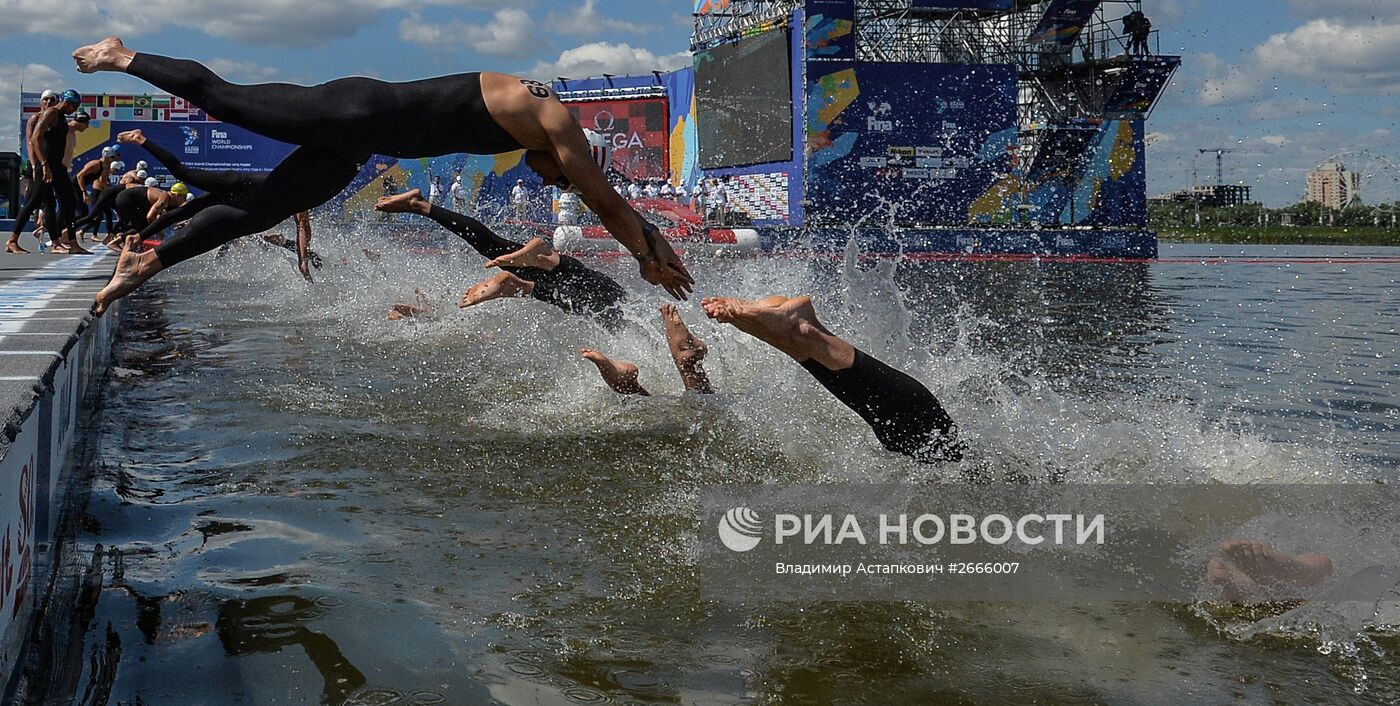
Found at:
(124, 101)
(141, 101)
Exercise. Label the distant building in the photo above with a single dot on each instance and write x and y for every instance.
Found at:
(1333, 186)
(1218, 195)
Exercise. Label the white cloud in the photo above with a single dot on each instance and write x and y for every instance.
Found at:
(509, 34)
(1346, 57)
(585, 21)
(597, 58)
(1275, 140)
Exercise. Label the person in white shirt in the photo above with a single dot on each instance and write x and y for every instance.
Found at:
(568, 208)
(435, 190)
(520, 198)
(667, 191)
(634, 190)
(458, 194)
(651, 190)
(720, 197)
(700, 200)
(681, 196)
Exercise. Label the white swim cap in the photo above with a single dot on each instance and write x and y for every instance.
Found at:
(49, 94)
(152, 181)
(600, 147)
(118, 165)
(142, 165)
(141, 174)
(107, 151)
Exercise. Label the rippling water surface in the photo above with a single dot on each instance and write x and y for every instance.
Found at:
(297, 501)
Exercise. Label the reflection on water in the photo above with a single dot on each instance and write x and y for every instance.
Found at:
(298, 502)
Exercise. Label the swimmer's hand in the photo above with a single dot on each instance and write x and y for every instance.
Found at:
(662, 266)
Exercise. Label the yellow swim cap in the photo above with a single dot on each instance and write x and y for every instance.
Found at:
(179, 189)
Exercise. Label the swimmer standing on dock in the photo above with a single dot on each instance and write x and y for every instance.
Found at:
(340, 123)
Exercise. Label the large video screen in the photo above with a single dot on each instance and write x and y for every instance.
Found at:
(744, 95)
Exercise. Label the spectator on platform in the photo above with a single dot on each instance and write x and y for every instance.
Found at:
(1139, 30)
(700, 199)
(652, 191)
(520, 199)
(680, 194)
(719, 195)
(668, 192)
(634, 190)
(458, 194)
(435, 190)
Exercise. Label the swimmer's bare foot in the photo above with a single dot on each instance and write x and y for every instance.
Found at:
(619, 375)
(59, 248)
(410, 201)
(502, 285)
(74, 248)
(13, 246)
(132, 271)
(107, 55)
(404, 311)
(1234, 585)
(133, 137)
(115, 243)
(535, 253)
(788, 324)
(686, 350)
(1266, 565)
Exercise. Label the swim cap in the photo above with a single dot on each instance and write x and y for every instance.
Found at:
(152, 181)
(141, 174)
(72, 96)
(118, 165)
(82, 116)
(48, 95)
(179, 189)
(600, 148)
(108, 151)
(142, 165)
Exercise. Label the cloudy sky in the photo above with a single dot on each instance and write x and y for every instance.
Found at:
(1289, 81)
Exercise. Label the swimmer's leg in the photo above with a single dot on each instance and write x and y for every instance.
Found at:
(305, 179)
(299, 115)
(477, 234)
(686, 350)
(501, 286)
(904, 415)
(619, 375)
(227, 183)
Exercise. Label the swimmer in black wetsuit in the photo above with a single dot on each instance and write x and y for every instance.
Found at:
(222, 187)
(48, 138)
(528, 270)
(904, 415)
(138, 208)
(338, 124)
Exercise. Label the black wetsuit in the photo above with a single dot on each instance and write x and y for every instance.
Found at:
(221, 187)
(132, 206)
(905, 416)
(102, 207)
(337, 125)
(571, 286)
(58, 192)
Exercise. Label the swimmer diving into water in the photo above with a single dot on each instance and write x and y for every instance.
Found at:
(337, 125)
(687, 352)
(222, 187)
(905, 416)
(529, 270)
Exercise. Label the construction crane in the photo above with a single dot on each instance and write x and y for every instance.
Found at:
(1220, 161)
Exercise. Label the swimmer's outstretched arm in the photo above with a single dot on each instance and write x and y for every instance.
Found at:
(904, 415)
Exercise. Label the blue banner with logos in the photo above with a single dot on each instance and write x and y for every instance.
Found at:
(920, 143)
